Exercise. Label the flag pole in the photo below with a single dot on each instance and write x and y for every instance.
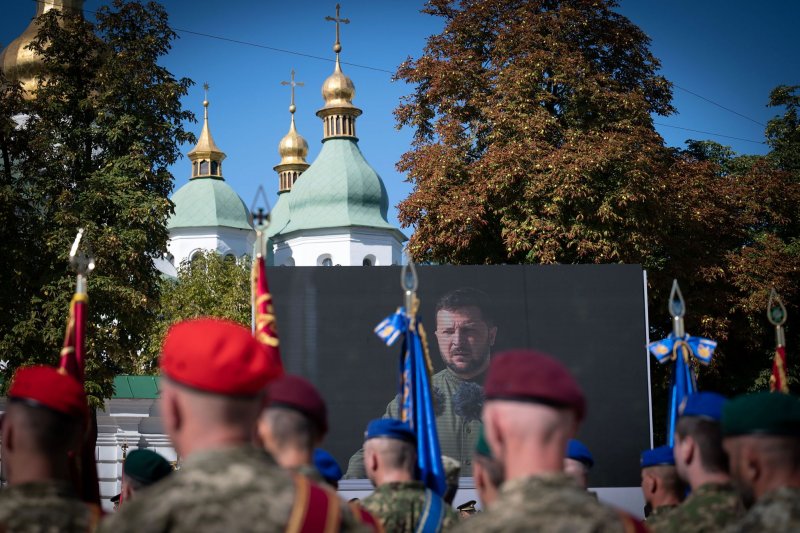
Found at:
(776, 314)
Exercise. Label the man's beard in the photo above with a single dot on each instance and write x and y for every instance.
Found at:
(472, 365)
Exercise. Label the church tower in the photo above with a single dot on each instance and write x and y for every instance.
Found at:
(22, 64)
(209, 215)
(336, 211)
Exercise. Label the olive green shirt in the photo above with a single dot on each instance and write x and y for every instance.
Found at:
(457, 434)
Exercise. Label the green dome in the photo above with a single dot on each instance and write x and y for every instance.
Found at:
(208, 202)
(339, 189)
(279, 216)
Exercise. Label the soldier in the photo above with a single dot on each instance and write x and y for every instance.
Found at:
(212, 392)
(294, 422)
(465, 333)
(661, 487)
(487, 471)
(533, 407)
(761, 434)
(578, 462)
(701, 462)
(142, 468)
(44, 422)
(401, 503)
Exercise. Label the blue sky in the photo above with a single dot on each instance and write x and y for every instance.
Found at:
(732, 52)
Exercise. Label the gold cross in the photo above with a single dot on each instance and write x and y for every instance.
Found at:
(292, 84)
(337, 47)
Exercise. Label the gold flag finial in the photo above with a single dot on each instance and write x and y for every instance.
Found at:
(337, 19)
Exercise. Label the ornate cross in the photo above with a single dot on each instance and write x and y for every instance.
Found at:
(337, 47)
(292, 84)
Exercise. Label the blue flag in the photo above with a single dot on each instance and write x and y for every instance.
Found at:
(681, 350)
(416, 402)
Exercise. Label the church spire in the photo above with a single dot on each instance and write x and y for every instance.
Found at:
(338, 114)
(206, 157)
(293, 148)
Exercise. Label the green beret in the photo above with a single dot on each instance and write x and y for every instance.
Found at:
(482, 445)
(763, 413)
(146, 466)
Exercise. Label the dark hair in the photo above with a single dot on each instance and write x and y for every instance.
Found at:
(708, 436)
(467, 297)
(52, 433)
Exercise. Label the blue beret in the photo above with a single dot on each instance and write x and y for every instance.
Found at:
(704, 405)
(390, 428)
(578, 451)
(326, 465)
(661, 456)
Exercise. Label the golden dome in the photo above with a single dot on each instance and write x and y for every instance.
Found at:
(338, 90)
(17, 61)
(293, 148)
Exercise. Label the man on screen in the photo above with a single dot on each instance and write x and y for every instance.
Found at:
(465, 333)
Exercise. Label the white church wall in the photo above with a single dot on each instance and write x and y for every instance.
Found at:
(342, 246)
(184, 242)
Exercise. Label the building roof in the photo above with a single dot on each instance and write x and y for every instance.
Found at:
(136, 387)
(339, 189)
(208, 202)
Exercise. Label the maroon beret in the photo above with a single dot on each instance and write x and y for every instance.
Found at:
(217, 356)
(299, 394)
(530, 376)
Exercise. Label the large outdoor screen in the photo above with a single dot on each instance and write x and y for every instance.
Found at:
(591, 317)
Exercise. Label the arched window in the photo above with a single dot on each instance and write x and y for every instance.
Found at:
(194, 168)
(215, 168)
(325, 260)
(203, 167)
(368, 261)
(338, 125)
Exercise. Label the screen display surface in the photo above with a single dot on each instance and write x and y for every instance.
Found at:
(591, 317)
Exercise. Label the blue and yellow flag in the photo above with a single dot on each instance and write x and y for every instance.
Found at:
(416, 406)
(681, 350)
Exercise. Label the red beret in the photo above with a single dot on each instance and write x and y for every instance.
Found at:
(527, 375)
(299, 394)
(47, 386)
(215, 355)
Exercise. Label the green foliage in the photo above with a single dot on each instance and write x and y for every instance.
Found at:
(208, 285)
(783, 133)
(93, 152)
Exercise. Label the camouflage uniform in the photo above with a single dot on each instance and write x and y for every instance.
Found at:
(778, 510)
(311, 472)
(235, 489)
(457, 434)
(398, 506)
(45, 506)
(709, 508)
(658, 516)
(547, 503)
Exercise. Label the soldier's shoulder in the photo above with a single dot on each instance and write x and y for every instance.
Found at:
(218, 495)
(42, 509)
(778, 511)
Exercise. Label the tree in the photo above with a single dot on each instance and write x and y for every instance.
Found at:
(104, 126)
(534, 143)
(208, 285)
(533, 120)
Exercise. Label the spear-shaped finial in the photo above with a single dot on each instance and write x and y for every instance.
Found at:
(776, 314)
(409, 281)
(81, 260)
(677, 309)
